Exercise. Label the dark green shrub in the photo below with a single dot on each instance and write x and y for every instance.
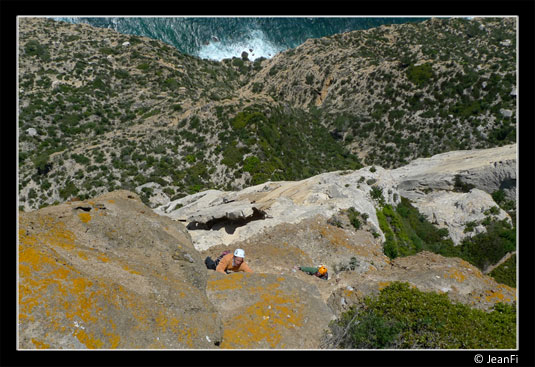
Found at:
(251, 164)
(402, 317)
(69, 190)
(420, 75)
(34, 48)
(42, 164)
(460, 186)
(506, 272)
(81, 159)
(408, 232)
(498, 196)
(237, 62)
(489, 247)
(377, 194)
(353, 217)
(144, 66)
(171, 84)
(257, 87)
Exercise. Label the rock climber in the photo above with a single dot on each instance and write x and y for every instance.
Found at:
(229, 262)
(319, 271)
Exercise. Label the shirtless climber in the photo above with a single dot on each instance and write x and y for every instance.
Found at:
(233, 262)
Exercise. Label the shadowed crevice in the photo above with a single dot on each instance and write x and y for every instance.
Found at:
(228, 224)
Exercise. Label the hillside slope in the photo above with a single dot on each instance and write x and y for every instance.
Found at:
(100, 111)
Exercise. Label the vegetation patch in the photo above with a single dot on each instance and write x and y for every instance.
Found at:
(420, 74)
(408, 232)
(402, 317)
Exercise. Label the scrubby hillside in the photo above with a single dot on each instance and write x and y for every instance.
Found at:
(100, 111)
(398, 92)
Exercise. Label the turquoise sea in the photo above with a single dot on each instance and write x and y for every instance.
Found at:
(217, 38)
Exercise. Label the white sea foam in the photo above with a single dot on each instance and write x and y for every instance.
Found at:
(255, 41)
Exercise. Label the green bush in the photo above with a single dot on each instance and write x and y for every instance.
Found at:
(353, 217)
(144, 66)
(421, 74)
(245, 118)
(377, 194)
(251, 164)
(232, 155)
(402, 317)
(506, 272)
(34, 48)
(171, 84)
(69, 190)
(81, 159)
(489, 247)
(460, 186)
(42, 164)
(408, 232)
(257, 87)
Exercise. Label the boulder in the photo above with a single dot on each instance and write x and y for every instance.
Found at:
(268, 311)
(506, 113)
(31, 131)
(109, 273)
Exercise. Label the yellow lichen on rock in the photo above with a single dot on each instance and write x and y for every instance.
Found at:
(382, 285)
(232, 281)
(457, 275)
(260, 323)
(84, 217)
(88, 339)
(40, 344)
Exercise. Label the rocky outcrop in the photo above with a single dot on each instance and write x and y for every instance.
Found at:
(430, 183)
(218, 217)
(268, 311)
(428, 272)
(272, 203)
(110, 273)
(486, 169)
(453, 210)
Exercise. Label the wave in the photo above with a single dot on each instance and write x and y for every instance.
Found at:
(218, 38)
(256, 44)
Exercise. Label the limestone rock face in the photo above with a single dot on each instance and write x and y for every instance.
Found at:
(267, 205)
(452, 210)
(109, 273)
(216, 217)
(429, 184)
(428, 272)
(487, 169)
(268, 311)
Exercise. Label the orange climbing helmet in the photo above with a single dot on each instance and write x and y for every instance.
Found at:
(322, 270)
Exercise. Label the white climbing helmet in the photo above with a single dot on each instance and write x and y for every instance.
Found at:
(239, 253)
